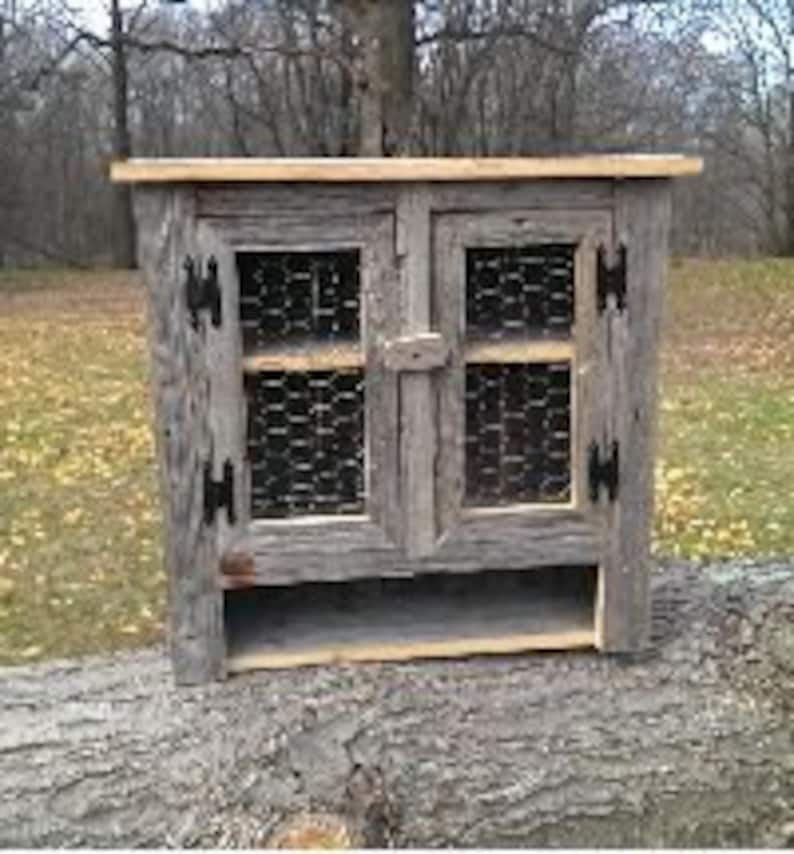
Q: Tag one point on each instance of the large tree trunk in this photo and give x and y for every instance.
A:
(689, 744)
(385, 30)
(124, 250)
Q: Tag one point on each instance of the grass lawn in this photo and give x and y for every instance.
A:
(80, 563)
(727, 411)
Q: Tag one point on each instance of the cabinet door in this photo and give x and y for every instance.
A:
(300, 400)
(520, 407)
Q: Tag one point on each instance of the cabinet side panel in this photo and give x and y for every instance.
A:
(642, 222)
(180, 380)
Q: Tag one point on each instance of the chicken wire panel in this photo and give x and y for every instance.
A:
(289, 296)
(306, 443)
(518, 434)
(517, 291)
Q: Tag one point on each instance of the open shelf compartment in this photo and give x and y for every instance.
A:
(427, 616)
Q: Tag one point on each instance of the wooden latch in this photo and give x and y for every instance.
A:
(424, 351)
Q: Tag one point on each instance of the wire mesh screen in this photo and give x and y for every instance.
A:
(305, 427)
(522, 290)
(518, 434)
(286, 296)
(306, 442)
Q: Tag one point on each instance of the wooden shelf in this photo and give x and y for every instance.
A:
(318, 356)
(519, 351)
(306, 356)
(359, 169)
(421, 617)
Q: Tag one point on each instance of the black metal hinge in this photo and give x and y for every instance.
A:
(219, 493)
(203, 291)
(604, 472)
(611, 279)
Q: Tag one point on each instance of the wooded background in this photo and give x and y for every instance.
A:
(80, 86)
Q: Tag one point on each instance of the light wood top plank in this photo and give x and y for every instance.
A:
(364, 169)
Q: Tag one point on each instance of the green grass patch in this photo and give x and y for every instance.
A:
(80, 566)
(726, 455)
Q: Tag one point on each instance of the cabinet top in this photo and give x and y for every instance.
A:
(374, 169)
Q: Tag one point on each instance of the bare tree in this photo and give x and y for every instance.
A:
(346, 77)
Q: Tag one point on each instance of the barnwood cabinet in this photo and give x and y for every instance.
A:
(404, 407)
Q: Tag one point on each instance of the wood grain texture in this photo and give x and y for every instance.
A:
(423, 351)
(418, 439)
(227, 403)
(521, 351)
(294, 200)
(309, 356)
(181, 381)
(381, 323)
(449, 298)
(286, 553)
(588, 368)
(687, 746)
(302, 231)
(403, 168)
(642, 223)
(552, 194)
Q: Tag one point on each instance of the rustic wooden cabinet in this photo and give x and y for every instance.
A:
(404, 407)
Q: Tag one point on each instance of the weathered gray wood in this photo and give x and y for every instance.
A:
(295, 200)
(381, 323)
(418, 440)
(302, 232)
(345, 200)
(459, 197)
(414, 451)
(338, 549)
(181, 381)
(588, 367)
(227, 405)
(424, 351)
(688, 746)
(642, 224)
(449, 295)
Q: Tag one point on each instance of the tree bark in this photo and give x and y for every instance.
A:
(789, 168)
(124, 249)
(385, 30)
(689, 744)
